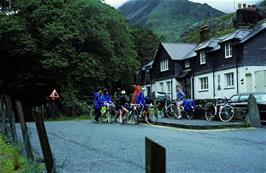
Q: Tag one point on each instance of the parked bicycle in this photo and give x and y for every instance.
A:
(221, 108)
(168, 108)
(147, 113)
(108, 113)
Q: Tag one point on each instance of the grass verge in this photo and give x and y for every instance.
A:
(11, 161)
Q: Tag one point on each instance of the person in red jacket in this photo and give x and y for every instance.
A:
(136, 91)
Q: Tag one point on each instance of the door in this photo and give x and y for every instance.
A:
(260, 81)
(249, 83)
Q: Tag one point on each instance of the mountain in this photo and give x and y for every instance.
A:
(219, 26)
(168, 18)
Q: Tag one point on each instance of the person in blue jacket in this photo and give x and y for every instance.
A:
(140, 98)
(106, 96)
(97, 103)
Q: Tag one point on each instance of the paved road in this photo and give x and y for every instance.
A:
(84, 147)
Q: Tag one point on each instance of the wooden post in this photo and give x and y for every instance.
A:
(24, 130)
(3, 115)
(155, 157)
(10, 115)
(46, 150)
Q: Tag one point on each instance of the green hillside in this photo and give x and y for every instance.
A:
(218, 26)
(168, 18)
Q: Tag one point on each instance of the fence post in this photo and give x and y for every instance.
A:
(46, 150)
(11, 118)
(24, 130)
(155, 157)
(3, 117)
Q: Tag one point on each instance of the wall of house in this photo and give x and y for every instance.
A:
(255, 50)
(162, 55)
(203, 94)
(170, 91)
(221, 88)
(252, 79)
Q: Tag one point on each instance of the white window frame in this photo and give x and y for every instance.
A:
(204, 83)
(187, 63)
(228, 50)
(229, 80)
(164, 65)
(202, 57)
(168, 85)
(161, 87)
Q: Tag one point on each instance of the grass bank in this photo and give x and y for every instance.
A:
(11, 161)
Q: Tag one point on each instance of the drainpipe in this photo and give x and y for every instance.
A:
(213, 81)
(192, 83)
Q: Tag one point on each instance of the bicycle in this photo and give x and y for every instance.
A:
(221, 108)
(138, 111)
(107, 113)
(169, 108)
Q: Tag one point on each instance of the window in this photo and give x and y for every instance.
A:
(229, 80)
(204, 83)
(161, 87)
(164, 65)
(187, 64)
(202, 57)
(228, 50)
(243, 98)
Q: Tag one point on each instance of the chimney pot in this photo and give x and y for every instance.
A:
(239, 5)
(244, 5)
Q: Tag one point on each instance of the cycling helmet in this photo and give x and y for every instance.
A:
(123, 92)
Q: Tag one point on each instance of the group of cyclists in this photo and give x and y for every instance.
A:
(121, 101)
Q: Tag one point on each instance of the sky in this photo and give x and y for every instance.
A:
(226, 6)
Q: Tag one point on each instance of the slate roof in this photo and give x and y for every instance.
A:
(254, 31)
(181, 51)
(237, 34)
(178, 51)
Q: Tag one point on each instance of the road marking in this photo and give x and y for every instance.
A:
(201, 130)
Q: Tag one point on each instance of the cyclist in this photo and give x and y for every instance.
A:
(97, 103)
(106, 96)
(123, 105)
(180, 95)
(136, 91)
(140, 99)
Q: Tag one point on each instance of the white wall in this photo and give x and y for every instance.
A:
(246, 80)
(224, 90)
(172, 91)
(199, 94)
(244, 72)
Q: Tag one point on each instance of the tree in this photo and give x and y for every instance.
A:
(73, 46)
(146, 43)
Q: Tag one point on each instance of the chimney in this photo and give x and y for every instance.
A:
(239, 5)
(204, 33)
(246, 16)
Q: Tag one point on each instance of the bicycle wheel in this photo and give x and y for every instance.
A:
(226, 113)
(210, 113)
(189, 115)
(108, 116)
(171, 111)
(152, 117)
(133, 117)
(91, 114)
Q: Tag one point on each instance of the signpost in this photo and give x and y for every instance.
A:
(54, 95)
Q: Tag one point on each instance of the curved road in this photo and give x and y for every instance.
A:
(85, 147)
